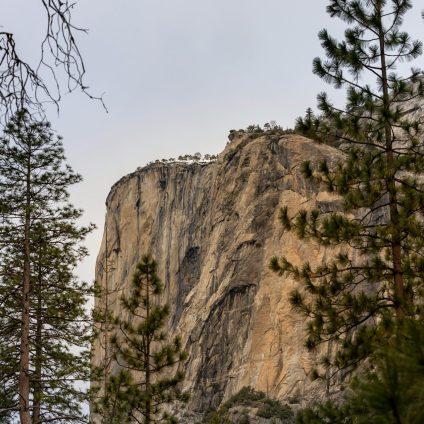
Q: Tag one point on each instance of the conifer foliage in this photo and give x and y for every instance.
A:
(145, 380)
(389, 390)
(375, 281)
(44, 327)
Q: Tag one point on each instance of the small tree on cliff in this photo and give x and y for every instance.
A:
(376, 280)
(137, 393)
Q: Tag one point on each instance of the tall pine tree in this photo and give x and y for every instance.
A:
(44, 325)
(144, 382)
(375, 281)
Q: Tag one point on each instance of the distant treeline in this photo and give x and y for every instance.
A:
(196, 157)
(255, 131)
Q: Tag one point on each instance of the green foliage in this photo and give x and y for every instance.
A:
(375, 276)
(312, 126)
(308, 125)
(144, 356)
(249, 398)
(390, 390)
(244, 420)
(394, 390)
(273, 408)
(246, 397)
(196, 158)
(256, 131)
(326, 413)
(34, 185)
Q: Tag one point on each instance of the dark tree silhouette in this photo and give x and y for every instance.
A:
(24, 84)
(375, 281)
(144, 355)
(43, 320)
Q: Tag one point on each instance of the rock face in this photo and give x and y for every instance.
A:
(213, 229)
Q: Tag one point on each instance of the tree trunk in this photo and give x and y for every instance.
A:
(24, 407)
(147, 358)
(396, 247)
(36, 415)
(396, 415)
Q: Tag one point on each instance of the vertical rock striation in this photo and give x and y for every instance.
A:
(213, 229)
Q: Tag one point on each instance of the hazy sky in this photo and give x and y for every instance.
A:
(177, 76)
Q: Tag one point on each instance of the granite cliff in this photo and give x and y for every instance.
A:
(213, 228)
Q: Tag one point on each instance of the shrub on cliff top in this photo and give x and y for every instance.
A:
(250, 398)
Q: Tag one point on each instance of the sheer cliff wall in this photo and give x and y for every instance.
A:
(213, 229)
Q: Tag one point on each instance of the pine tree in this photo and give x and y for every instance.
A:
(9, 342)
(389, 390)
(143, 384)
(375, 279)
(42, 310)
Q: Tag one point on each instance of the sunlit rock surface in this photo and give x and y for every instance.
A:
(213, 229)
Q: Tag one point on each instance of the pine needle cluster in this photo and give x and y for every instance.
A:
(44, 325)
(390, 390)
(144, 379)
(374, 281)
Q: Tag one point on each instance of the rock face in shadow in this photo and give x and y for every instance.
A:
(213, 229)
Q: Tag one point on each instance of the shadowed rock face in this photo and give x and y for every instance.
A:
(213, 229)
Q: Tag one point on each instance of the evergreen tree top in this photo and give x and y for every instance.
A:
(374, 281)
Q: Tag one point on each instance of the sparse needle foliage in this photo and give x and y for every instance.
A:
(44, 327)
(374, 280)
(143, 379)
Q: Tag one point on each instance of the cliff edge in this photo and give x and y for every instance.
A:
(213, 228)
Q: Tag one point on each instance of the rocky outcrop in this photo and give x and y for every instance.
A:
(213, 229)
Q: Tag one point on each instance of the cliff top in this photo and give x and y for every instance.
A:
(238, 139)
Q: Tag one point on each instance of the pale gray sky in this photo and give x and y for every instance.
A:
(177, 76)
